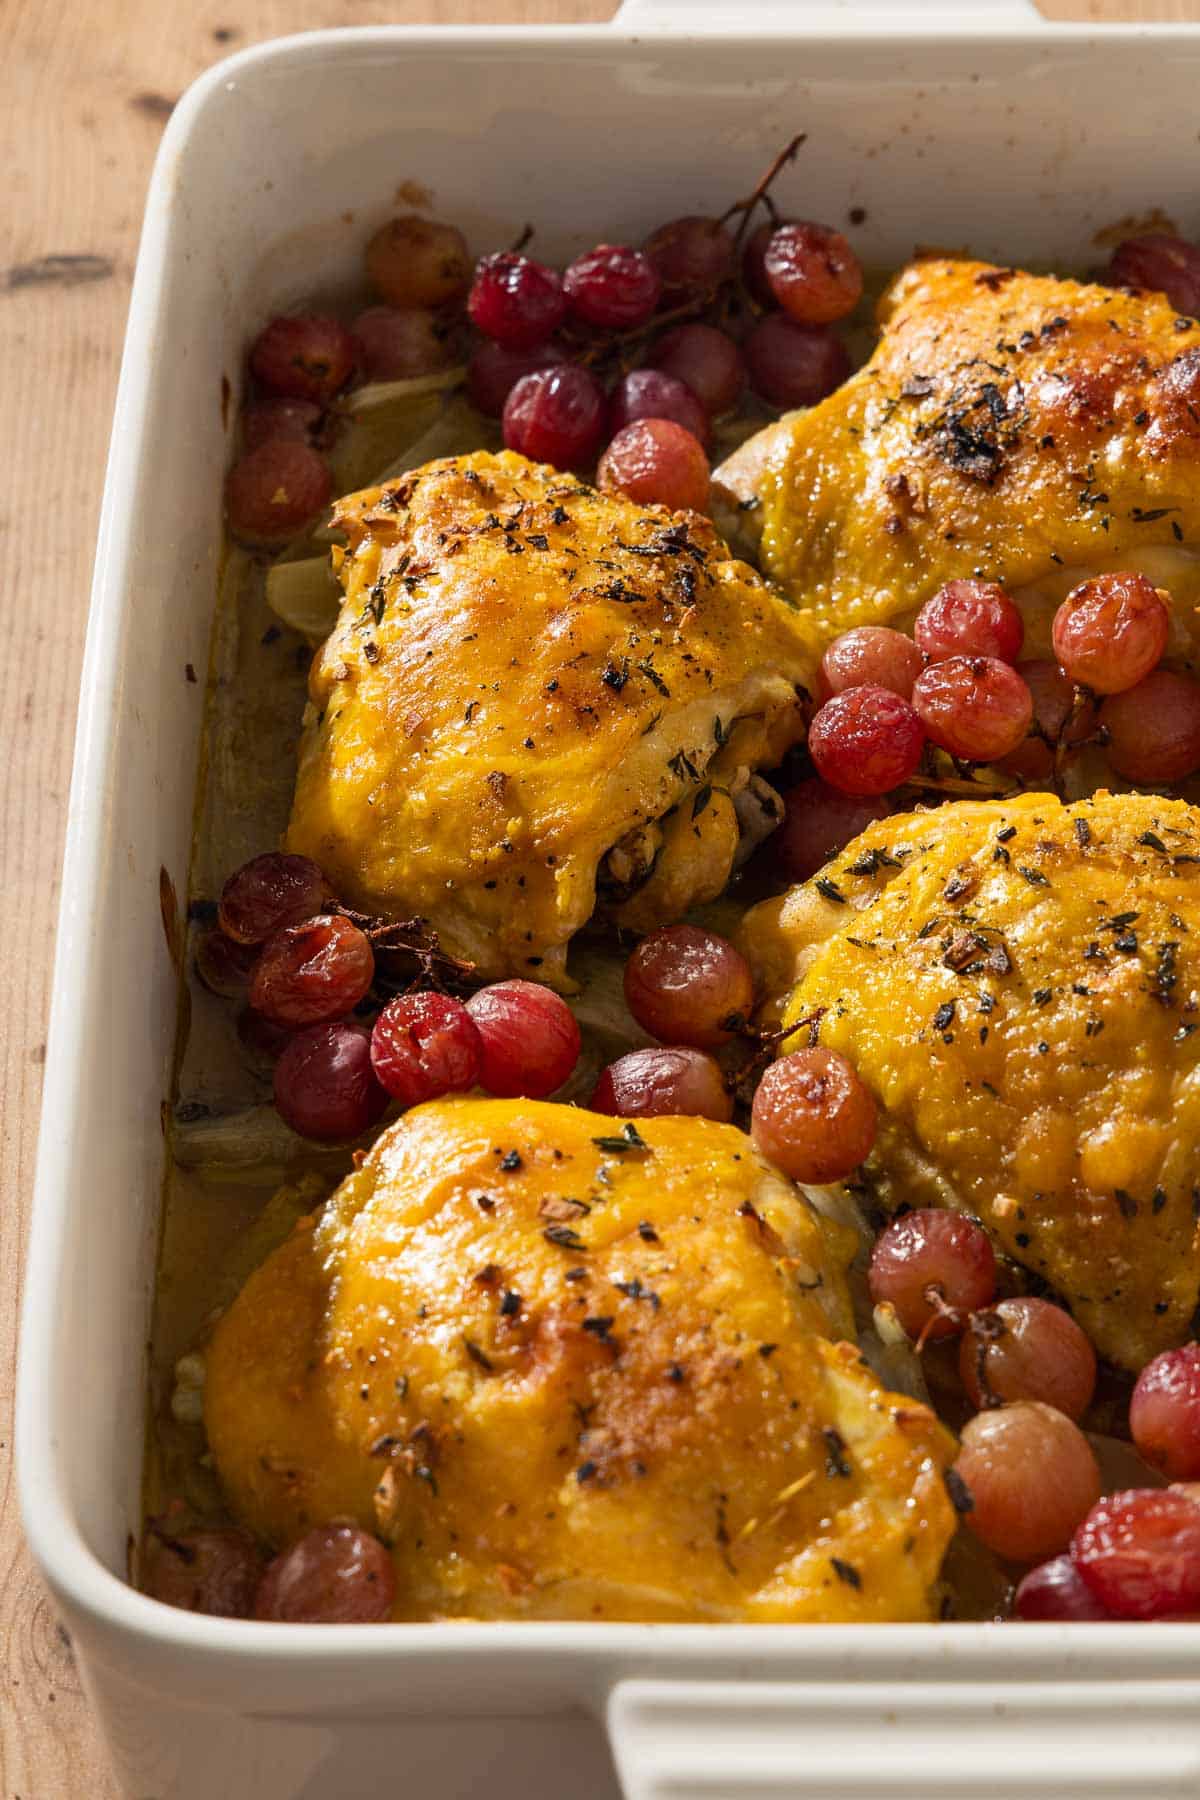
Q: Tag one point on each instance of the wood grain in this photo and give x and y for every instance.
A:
(84, 91)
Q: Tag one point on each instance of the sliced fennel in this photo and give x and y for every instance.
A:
(384, 393)
(306, 596)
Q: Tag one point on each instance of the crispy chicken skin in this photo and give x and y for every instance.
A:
(1008, 426)
(525, 676)
(1019, 984)
(571, 1371)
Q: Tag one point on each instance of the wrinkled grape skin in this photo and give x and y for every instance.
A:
(1153, 729)
(794, 365)
(311, 973)
(692, 254)
(224, 966)
(685, 985)
(397, 343)
(970, 618)
(273, 492)
(1053, 699)
(515, 300)
(1028, 1349)
(306, 357)
(813, 1117)
(872, 656)
(1032, 1477)
(812, 272)
(655, 462)
(754, 271)
(494, 371)
(1164, 1413)
(613, 287)
(707, 361)
(1055, 1592)
(976, 707)
(656, 1083)
(649, 394)
(325, 1087)
(555, 415)
(269, 892)
(1139, 1553)
(529, 1038)
(1111, 631)
(866, 741)
(213, 1572)
(932, 1247)
(269, 421)
(1164, 264)
(335, 1575)
(418, 262)
(425, 1045)
(818, 822)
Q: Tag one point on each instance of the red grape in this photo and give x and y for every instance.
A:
(1164, 1413)
(425, 1045)
(335, 1575)
(516, 300)
(396, 343)
(324, 1084)
(818, 821)
(685, 985)
(754, 267)
(1032, 1477)
(223, 965)
(693, 255)
(973, 706)
(1159, 262)
(1053, 698)
(269, 892)
(794, 365)
(555, 416)
(812, 272)
(649, 394)
(1056, 1592)
(866, 741)
(307, 357)
(707, 361)
(494, 371)
(276, 490)
(212, 1572)
(612, 286)
(932, 1252)
(1154, 729)
(530, 1039)
(657, 463)
(646, 1084)
(1027, 1349)
(310, 973)
(872, 656)
(267, 421)
(813, 1117)
(970, 618)
(1139, 1553)
(418, 262)
(1111, 631)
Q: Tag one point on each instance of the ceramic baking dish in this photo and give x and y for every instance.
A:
(970, 124)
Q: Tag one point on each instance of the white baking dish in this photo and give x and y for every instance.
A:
(989, 130)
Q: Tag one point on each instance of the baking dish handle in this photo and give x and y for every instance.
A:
(1047, 1740)
(835, 15)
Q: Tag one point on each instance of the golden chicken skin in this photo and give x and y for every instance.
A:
(1012, 427)
(539, 698)
(574, 1369)
(1019, 985)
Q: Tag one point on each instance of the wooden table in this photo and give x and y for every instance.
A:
(84, 92)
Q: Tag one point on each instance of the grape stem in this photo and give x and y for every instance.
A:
(409, 937)
(760, 193)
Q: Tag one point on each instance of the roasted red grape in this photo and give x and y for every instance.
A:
(813, 1117)
(1164, 264)
(556, 416)
(1053, 699)
(213, 1572)
(223, 965)
(933, 1267)
(418, 262)
(973, 706)
(707, 361)
(307, 357)
(275, 491)
(685, 985)
(494, 371)
(812, 272)
(647, 1084)
(818, 821)
(693, 255)
(649, 394)
(1153, 729)
(1027, 1349)
(310, 973)
(794, 365)
(1164, 1413)
(872, 656)
(866, 741)
(1139, 1553)
(324, 1085)
(1031, 1476)
(970, 618)
(269, 892)
(1111, 631)
(335, 1575)
(754, 266)
(613, 287)
(657, 463)
(267, 421)
(395, 343)
(425, 1045)
(529, 1039)
(516, 300)
(1056, 1593)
